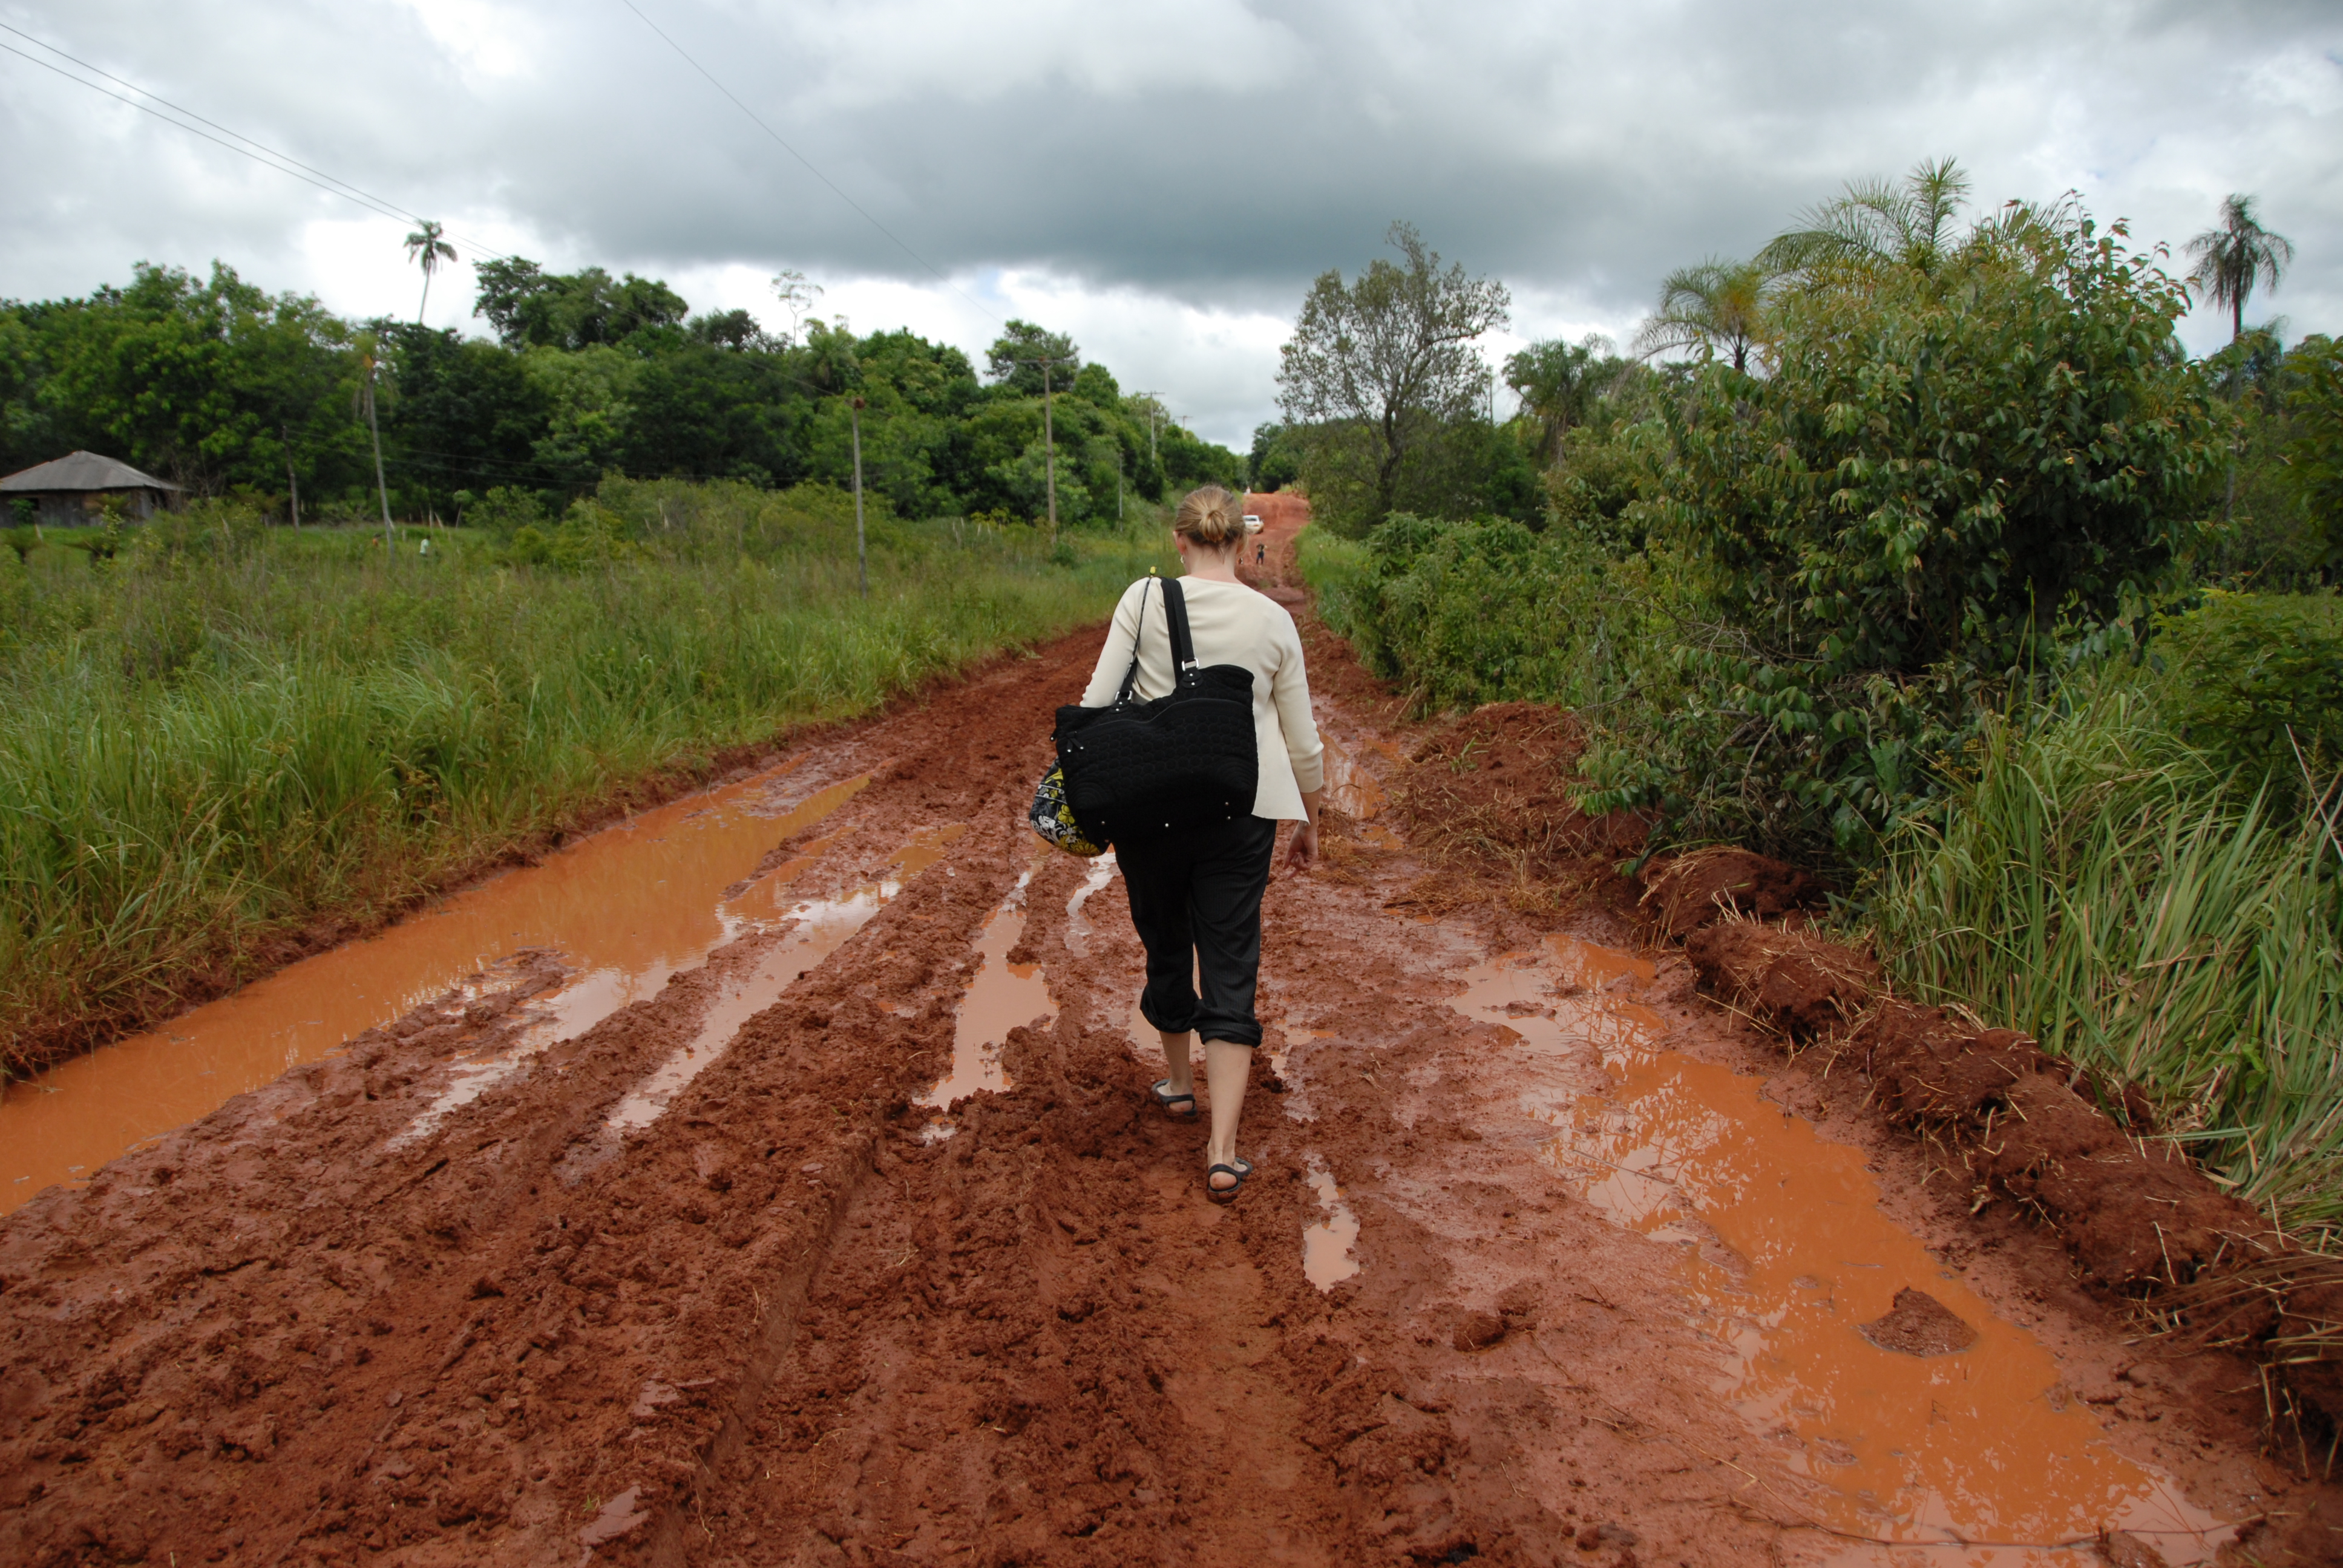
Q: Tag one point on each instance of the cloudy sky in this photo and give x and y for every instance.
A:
(1159, 180)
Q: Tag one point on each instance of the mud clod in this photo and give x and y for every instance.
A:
(1791, 980)
(1919, 1325)
(1478, 1331)
(2121, 1549)
(1683, 893)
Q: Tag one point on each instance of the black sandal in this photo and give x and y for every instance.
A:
(1168, 1100)
(1241, 1170)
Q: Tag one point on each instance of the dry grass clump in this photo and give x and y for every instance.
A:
(1489, 795)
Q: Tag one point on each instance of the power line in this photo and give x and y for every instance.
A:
(286, 164)
(758, 122)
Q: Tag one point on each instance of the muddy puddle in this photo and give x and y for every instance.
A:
(625, 908)
(1963, 1437)
(1350, 789)
(1000, 996)
(1079, 929)
(1326, 1245)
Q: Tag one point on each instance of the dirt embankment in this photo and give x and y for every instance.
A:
(2015, 1122)
(396, 1309)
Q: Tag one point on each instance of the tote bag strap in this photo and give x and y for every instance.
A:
(1131, 676)
(1183, 648)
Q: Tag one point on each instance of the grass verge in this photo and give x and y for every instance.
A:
(219, 736)
(2103, 884)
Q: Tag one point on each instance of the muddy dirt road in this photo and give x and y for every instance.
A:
(769, 1180)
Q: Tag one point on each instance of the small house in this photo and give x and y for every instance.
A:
(72, 491)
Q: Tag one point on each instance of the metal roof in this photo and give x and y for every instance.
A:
(83, 471)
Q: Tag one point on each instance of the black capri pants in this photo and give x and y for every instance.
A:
(1195, 899)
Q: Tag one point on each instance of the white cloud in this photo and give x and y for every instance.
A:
(485, 42)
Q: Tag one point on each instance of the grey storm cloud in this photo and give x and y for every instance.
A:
(1210, 154)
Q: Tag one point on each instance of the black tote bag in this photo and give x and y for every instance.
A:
(1141, 771)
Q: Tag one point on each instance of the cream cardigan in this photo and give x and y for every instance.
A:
(1229, 624)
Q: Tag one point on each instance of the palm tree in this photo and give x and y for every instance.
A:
(2233, 259)
(1716, 307)
(1558, 383)
(428, 250)
(1876, 223)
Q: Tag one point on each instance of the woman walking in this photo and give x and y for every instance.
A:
(1195, 897)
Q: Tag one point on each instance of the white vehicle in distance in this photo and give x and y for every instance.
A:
(1253, 524)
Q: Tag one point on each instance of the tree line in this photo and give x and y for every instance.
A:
(1837, 505)
(222, 386)
(1388, 405)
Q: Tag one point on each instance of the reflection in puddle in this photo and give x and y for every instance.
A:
(1326, 1245)
(625, 907)
(1350, 789)
(1296, 1100)
(1079, 929)
(1979, 1444)
(1001, 995)
(822, 927)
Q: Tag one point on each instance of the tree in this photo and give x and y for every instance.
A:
(2235, 258)
(530, 307)
(1558, 383)
(734, 329)
(428, 250)
(1876, 223)
(828, 360)
(797, 296)
(1932, 489)
(464, 417)
(1015, 357)
(1378, 372)
(1271, 466)
(503, 289)
(1718, 307)
(2314, 455)
(206, 381)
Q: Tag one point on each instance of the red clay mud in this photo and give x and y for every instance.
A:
(1685, 893)
(2138, 1216)
(883, 1257)
(1490, 790)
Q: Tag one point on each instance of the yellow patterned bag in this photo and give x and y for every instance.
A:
(1054, 819)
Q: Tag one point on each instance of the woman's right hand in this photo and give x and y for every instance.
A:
(1301, 850)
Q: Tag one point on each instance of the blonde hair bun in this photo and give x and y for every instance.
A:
(1211, 515)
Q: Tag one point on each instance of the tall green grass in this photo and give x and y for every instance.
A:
(222, 733)
(2107, 885)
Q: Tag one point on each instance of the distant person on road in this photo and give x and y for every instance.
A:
(1195, 897)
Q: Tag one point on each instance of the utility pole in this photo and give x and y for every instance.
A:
(1049, 442)
(1153, 409)
(292, 481)
(861, 551)
(1050, 451)
(381, 484)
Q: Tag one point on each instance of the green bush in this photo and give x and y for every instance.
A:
(505, 511)
(1952, 480)
(1459, 614)
(2260, 684)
